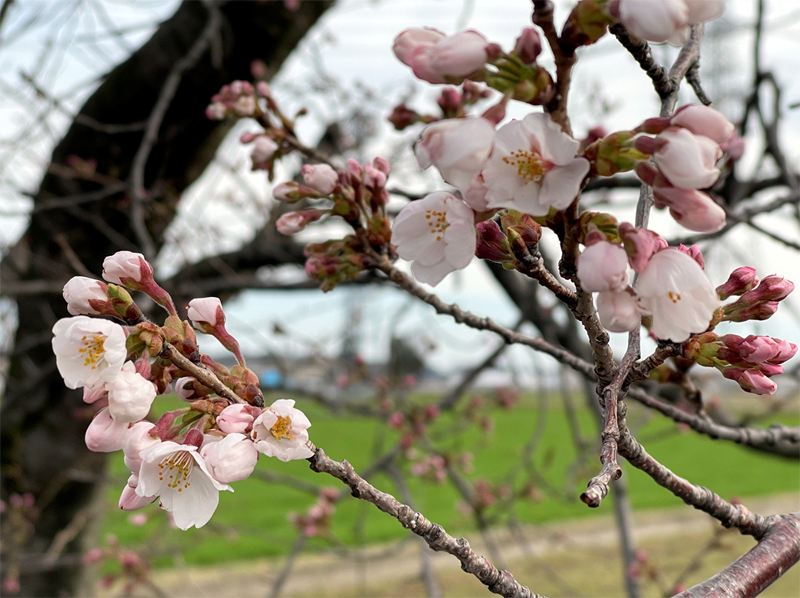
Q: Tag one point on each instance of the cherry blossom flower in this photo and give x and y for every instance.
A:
(178, 476)
(88, 350)
(437, 233)
(105, 434)
(138, 439)
(457, 147)
(237, 418)
(282, 431)
(320, 177)
(81, 292)
(126, 266)
(130, 395)
(677, 293)
(666, 20)
(533, 167)
(687, 161)
(459, 55)
(618, 311)
(603, 267)
(230, 459)
(205, 311)
(263, 150)
(411, 42)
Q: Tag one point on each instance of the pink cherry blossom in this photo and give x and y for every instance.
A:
(205, 312)
(320, 177)
(751, 380)
(237, 418)
(702, 120)
(618, 312)
(125, 265)
(533, 167)
(230, 459)
(282, 431)
(640, 245)
(654, 21)
(603, 267)
(263, 150)
(105, 434)
(178, 476)
(80, 292)
(687, 160)
(459, 55)
(411, 42)
(692, 209)
(292, 223)
(130, 395)
(677, 293)
(139, 438)
(437, 233)
(130, 501)
(88, 350)
(457, 147)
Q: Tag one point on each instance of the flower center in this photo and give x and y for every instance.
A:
(674, 297)
(92, 350)
(530, 166)
(436, 223)
(176, 467)
(281, 428)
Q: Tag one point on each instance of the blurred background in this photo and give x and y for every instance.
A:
(512, 439)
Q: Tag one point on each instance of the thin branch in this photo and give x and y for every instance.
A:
(201, 374)
(286, 571)
(173, 80)
(498, 582)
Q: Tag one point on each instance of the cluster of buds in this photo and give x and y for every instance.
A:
(134, 570)
(414, 423)
(452, 101)
(484, 495)
(751, 361)
(758, 300)
(359, 197)
(317, 520)
(190, 454)
(239, 99)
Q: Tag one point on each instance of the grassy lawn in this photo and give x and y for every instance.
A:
(252, 521)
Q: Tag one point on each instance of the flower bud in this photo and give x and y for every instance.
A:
(205, 313)
(130, 501)
(132, 271)
(263, 151)
(293, 222)
(492, 243)
(237, 418)
(739, 282)
(618, 312)
(87, 296)
(105, 434)
(231, 459)
(528, 45)
(702, 120)
(690, 208)
(459, 55)
(687, 161)
(751, 380)
(409, 43)
(320, 177)
(402, 117)
(292, 192)
(602, 267)
(640, 245)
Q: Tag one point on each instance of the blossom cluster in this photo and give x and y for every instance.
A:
(186, 457)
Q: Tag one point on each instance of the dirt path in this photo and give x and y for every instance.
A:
(583, 545)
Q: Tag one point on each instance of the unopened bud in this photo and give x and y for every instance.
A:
(739, 282)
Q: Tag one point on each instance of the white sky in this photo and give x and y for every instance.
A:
(352, 44)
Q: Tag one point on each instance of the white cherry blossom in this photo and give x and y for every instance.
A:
(282, 431)
(533, 167)
(437, 233)
(677, 293)
(603, 267)
(130, 395)
(230, 459)
(457, 147)
(80, 291)
(618, 311)
(88, 350)
(178, 476)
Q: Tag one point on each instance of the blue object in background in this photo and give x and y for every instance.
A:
(271, 378)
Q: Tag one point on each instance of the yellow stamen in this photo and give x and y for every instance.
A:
(436, 225)
(184, 462)
(282, 427)
(530, 166)
(92, 350)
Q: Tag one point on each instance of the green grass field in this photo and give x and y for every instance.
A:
(252, 521)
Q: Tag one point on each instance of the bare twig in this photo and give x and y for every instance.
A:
(200, 373)
(498, 582)
(286, 571)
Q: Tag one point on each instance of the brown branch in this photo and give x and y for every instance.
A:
(201, 374)
(700, 498)
(640, 50)
(752, 573)
(565, 59)
(498, 582)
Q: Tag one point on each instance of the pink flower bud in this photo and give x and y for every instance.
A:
(396, 420)
(216, 111)
(381, 164)
(87, 296)
(492, 243)
(618, 312)
(263, 90)
(184, 388)
(694, 253)
(206, 312)
(125, 267)
(402, 116)
(293, 222)
(602, 267)
(139, 438)
(320, 177)
(105, 434)
(237, 419)
(702, 120)
(130, 501)
(751, 380)
(411, 42)
(686, 160)
(459, 55)
(786, 351)
(691, 208)
(640, 245)
(772, 288)
(739, 282)
(373, 177)
(528, 46)
(262, 152)
(292, 192)
(755, 349)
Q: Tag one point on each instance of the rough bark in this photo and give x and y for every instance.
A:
(43, 423)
